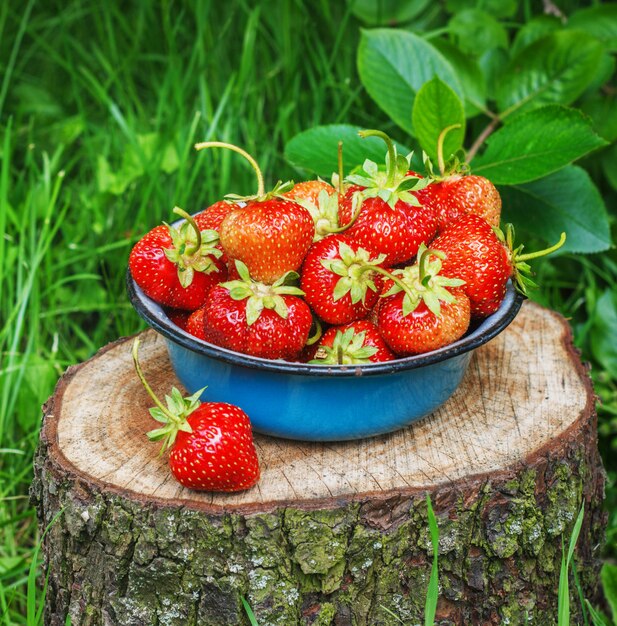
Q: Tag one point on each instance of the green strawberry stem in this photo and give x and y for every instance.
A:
(397, 281)
(313, 339)
(193, 250)
(391, 152)
(339, 355)
(172, 418)
(425, 277)
(440, 141)
(340, 167)
(261, 188)
(535, 255)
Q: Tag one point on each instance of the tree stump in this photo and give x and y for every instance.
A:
(333, 533)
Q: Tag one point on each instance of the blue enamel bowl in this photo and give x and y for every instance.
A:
(322, 402)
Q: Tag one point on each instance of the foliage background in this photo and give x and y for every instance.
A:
(100, 104)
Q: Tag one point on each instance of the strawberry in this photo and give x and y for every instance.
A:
(177, 267)
(269, 234)
(309, 191)
(355, 343)
(381, 212)
(178, 317)
(485, 259)
(456, 195)
(195, 324)
(423, 310)
(211, 443)
(338, 278)
(268, 321)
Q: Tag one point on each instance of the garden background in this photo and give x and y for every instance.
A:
(101, 103)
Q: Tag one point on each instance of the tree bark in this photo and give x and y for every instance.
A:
(333, 533)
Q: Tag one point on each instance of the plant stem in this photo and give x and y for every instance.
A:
(191, 221)
(440, 141)
(147, 387)
(261, 189)
(539, 253)
(340, 167)
(477, 144)
(391, 152)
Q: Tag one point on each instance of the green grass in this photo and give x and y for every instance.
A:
(100, 104)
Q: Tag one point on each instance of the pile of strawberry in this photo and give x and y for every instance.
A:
(387, 262)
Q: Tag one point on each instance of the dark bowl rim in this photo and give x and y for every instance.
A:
(488, 328)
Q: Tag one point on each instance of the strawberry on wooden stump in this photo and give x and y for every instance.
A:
(269, 233)
(248, 316)
(177, 266)
(210, 443)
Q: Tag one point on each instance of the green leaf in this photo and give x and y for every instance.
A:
(604, 333)
(535, 29)
(316, 149)
(536, 144)
(554, 69)
(599, 21)
(393, 65)
(435, 108)
(608, 575)
(602, 109)
(469, 75)
(475, 32)
(565, 201)
(609, 165)
(497, 8)
(597, 618)
(493, 64)
(385, 12)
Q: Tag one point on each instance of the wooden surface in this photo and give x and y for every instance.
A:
(522, 390)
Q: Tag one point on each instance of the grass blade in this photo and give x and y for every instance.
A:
(432, 594)
(563, 599)
(249, 612)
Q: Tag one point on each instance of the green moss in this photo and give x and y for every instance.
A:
(326, 614)
(564, 496)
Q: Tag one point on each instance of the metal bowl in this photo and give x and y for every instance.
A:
(322, 402)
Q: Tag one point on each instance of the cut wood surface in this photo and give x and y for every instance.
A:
(334, 533)
(516, 398)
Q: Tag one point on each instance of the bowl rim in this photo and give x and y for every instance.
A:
(489, 327)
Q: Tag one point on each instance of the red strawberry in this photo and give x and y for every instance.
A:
(178, 317)
(269, 234)
(339, 279)
(355, 343)
(485, 260)
(423, 311)
(386, 218)
(456, 195)
(267, 321)
(177, 267)
(195, 324)
(211, 443)
(212, 217)
(309, 191)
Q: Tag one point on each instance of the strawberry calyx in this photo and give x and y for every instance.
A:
(347, 349)
(175, 415)
(261, 196)
(452, 169)
(354, 268)
(424, 283)
(325, 214)
(260, 296)
(521, 270)
(394, 184)
(192, 250)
